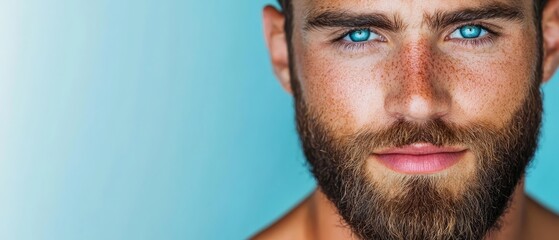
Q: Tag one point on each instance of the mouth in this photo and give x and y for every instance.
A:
(420, 158)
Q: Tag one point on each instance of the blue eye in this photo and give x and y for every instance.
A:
(360, 35)
(469, 32)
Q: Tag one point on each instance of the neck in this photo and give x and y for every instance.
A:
(513, 219)
(327, 224)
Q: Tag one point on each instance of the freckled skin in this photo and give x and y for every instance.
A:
(417, 74)
(415, 71)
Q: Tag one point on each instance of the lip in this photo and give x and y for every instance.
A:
(420, 158)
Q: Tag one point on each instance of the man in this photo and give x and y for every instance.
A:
(417, 118)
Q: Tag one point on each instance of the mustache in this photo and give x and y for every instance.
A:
(436, 132)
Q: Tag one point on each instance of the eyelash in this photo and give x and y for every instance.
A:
(351, 46)
(488, 39)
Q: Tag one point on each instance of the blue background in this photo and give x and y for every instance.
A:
(155, 119)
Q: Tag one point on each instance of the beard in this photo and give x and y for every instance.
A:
(421, 206)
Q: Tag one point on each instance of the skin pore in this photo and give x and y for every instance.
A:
(416, 66)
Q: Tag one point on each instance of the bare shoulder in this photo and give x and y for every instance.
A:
(289, 227)
(542, 223)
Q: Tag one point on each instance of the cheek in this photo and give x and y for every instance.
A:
(345, 93)
(490, 88)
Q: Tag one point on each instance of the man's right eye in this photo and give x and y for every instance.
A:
(360, 35)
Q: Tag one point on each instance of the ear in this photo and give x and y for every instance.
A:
(276, 41)
(550, 28)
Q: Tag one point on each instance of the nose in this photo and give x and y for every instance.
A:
(417, 93)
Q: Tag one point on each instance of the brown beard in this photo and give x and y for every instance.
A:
(420, 207)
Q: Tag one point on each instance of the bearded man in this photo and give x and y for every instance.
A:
(417, 118)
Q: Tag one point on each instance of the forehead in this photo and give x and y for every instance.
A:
(404, 8)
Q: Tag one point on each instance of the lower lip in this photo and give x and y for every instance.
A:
(420, 164)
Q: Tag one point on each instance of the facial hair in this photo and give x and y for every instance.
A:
(418, 207)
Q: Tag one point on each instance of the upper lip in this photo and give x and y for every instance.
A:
(420, 149)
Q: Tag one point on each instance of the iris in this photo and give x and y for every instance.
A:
(360, 35)
(470, 31)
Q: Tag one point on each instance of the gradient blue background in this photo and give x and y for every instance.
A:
(155, 119)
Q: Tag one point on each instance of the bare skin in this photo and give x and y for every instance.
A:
(414, 69)
(316, 218)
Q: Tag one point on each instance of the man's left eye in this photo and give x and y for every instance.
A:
(469, 32)
(361, 35)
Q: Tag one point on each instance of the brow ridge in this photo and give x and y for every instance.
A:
(353, 20)
(443, 19)
(436, 21)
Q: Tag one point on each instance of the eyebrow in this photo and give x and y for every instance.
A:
(352, 20)
(492, 11)
(438, 20)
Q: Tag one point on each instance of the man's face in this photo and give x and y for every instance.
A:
(418, 118)
(416, 72)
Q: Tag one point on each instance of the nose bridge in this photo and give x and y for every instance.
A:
(416, 63)
(417, 95)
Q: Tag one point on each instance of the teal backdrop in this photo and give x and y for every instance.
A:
(156, 119)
